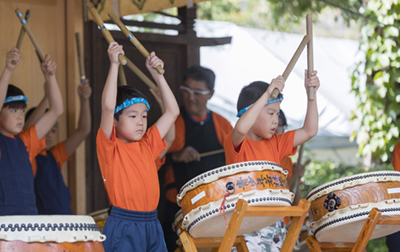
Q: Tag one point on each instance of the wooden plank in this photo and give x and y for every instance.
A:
(234, 225)
(274, 211)
(295, 226)
(187, 242)
(367, 230)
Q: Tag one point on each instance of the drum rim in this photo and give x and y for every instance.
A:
(349, 213)
(224, 171)
(74, 228)
(177, 220)
(201, 213)
(339, 181)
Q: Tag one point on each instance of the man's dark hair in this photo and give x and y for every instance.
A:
(200, 73)
(283, 117)
(251, 93)
(124, 93)
(14, 91)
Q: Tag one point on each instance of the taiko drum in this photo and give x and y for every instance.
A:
(339, 208)
(260, 183)
(48, 233)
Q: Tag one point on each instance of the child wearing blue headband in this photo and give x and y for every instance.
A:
(253, 138)
(18, 148)
(127, 151)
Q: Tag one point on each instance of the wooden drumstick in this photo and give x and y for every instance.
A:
(32, 37)
(310, 56)
(121, 75)
(21, 34)
(103, 29)
(141, 75)
(80, 57)
(292, 63)
(133, 39)
(209, 153)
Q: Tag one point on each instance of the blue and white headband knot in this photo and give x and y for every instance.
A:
(241, 112)
(131, 101)
(15, 99)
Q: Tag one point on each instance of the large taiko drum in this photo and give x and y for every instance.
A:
(260, 183)
(339, 208)
(48, 233)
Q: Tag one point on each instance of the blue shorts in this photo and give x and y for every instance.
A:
(127, 230)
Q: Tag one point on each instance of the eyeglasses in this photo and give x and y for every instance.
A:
(195, 92)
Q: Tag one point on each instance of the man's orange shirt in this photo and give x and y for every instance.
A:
(396, 157)
(273, 149)
(129, 170)
(59, 153)
(33, 145)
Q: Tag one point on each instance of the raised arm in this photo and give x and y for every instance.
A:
(38, 112)
(310, 127)
(170, 136)
(84, 124)
(47, 121)
(247, 120)
(168, 118)
(12, 55)
(109, 96)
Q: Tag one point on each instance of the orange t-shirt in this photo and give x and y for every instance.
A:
(273, 149)
(33, 145)
(129, 170)
(396, 157)
(59, 153)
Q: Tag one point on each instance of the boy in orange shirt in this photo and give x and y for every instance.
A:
(126, 154)
(18, 149)
(253, 137)
(52, 195)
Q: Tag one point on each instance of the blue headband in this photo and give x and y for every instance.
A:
(130, 102)
(15, 99)
(241, 112)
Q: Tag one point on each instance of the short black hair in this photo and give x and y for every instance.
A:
(200, 73)
(283, 117)
(14, 91)
(30, 112)
(251, 93)
(124, 93)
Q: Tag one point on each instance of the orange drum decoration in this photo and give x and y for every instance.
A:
(339, 208)
(260, 183)
(47, 233)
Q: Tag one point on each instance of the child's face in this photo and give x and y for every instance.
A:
(11, 120)
(132, 123)
(51, 136)
(267, 121)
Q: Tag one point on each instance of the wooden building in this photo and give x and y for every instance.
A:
(54, 24)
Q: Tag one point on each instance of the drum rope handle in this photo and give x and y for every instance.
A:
(222, 208)
(230, 189)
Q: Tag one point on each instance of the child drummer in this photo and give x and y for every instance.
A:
(126, 153)
(254, 138)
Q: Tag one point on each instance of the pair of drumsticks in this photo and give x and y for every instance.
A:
(122, 58)
(26, 29)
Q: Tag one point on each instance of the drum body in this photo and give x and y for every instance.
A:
(260, 183)
(50, 233)
(339, 208)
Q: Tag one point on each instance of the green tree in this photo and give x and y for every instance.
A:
(378, 109)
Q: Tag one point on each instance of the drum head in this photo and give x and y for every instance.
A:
(207, 221)
(346, 225)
